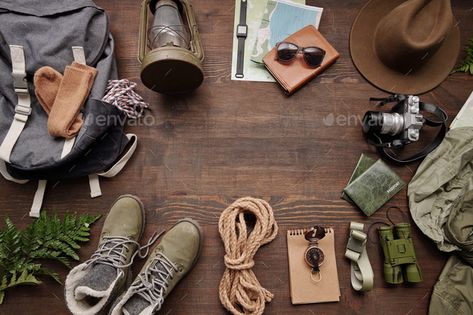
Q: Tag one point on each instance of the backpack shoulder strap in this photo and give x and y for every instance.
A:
(79, 56)
(7, 176)
(23, 107)
(118, 166)
(38, 199)
(94, 180)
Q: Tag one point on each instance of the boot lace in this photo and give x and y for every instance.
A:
(154, 281)
(112, 251)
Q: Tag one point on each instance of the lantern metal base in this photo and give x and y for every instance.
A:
(171, 70)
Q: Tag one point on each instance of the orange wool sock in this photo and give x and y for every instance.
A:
(46, 82)
(62, 97)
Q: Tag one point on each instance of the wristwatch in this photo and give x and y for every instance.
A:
(242, 34)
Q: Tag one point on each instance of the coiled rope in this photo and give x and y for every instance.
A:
(240, 290)
(120, 93)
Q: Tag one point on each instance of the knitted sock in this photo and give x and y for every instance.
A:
(46, 82)
(62, 97)
(99, 278)
(136, 304)
(89, 288)
(71, 96)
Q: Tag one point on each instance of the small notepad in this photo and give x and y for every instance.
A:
(303, 289)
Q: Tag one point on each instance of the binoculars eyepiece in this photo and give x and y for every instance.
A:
(400, 261)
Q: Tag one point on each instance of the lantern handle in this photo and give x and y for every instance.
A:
(143, 36)
(192, 23)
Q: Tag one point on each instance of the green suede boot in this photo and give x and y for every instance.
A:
(93, 284)
(170, 261)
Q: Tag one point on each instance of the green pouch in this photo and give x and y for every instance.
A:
(372, 189)
(363, 164)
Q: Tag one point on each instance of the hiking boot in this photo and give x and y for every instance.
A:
(170, 261)
(93, 284)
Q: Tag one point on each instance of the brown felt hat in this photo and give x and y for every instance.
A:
(405, 47)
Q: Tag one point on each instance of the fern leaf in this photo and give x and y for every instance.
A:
(467, 64)
(24, 278)
(63, 248)
(47, 238)
(10, 248)
(50, 273)
(67, 239)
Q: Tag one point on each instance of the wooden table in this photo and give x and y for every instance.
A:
(199, 152)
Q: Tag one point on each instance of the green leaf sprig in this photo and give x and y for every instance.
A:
(467, 65)
(47, 238)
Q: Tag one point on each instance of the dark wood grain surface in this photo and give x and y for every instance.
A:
(198, 153)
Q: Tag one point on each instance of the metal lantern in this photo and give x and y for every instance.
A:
(173, 65)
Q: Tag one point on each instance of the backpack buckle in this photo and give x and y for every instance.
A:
(19, 80)
(22, 112)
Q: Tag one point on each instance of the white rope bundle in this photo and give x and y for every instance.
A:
(120, 93)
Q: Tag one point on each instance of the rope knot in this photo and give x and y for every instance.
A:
(232, 264)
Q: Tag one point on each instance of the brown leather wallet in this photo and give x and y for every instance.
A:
(294, 75)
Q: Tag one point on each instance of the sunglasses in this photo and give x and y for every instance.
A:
(286, 52)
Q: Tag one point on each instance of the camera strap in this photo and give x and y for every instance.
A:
(385, 148)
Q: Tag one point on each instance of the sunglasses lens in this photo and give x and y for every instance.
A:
(314, 56)
(287, 51)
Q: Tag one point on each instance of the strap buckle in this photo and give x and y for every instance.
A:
(357, 241)
(19, 80)
(22, 113)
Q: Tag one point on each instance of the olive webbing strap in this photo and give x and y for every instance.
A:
(362, 276)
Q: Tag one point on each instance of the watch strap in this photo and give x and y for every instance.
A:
(240, 58)
(241, 40)
(243, 9)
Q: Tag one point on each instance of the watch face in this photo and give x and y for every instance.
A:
(242, 30)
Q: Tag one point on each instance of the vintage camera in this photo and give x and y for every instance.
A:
(404, 124)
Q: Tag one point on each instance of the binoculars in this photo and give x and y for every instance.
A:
(399, 255)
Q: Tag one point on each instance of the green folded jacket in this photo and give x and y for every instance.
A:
(374, 187)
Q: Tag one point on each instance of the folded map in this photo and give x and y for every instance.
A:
(281, 19)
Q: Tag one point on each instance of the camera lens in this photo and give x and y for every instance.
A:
(372, 122)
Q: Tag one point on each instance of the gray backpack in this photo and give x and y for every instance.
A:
(36, 33)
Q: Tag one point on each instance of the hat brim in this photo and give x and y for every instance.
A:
(433, 72)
